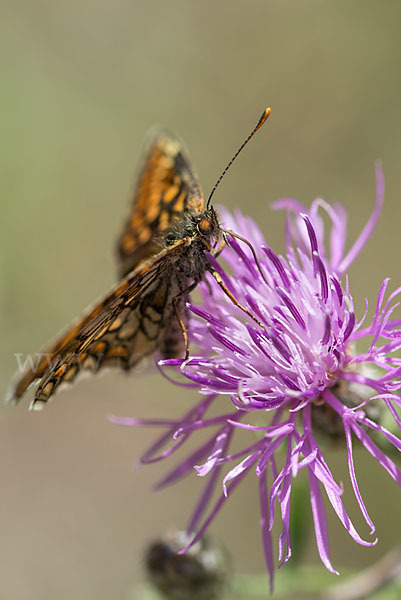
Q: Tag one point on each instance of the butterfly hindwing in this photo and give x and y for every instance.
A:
(166, 188)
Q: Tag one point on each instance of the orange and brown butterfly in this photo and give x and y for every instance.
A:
(162, 256)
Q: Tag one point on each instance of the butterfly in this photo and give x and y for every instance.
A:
(162, 255)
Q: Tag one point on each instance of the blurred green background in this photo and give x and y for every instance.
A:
(81, 82)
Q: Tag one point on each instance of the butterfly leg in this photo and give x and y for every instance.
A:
(224, 242)
(220, 248)
(209, 287)
(233, 299)
(181, 323)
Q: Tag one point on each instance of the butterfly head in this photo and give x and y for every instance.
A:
(203, 228)
(206, 233)
(208, 227)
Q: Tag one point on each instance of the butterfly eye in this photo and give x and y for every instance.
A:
(204, 225)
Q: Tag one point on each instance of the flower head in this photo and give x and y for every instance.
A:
(288, 370)
(201, 573)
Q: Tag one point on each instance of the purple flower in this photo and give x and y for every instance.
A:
(289, 374)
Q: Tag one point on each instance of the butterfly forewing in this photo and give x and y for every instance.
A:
(121, 329)
(167, 187)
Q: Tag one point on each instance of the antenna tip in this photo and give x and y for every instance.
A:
(263, 118)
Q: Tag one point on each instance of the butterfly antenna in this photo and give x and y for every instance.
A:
(259, 124)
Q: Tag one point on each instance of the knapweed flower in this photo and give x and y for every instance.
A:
(289, 371)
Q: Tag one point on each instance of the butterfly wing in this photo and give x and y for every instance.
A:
(120, 330)
(167, 187)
